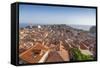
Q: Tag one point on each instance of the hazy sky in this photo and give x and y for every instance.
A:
(56, 15)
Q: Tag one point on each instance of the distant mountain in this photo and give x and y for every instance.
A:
(93, 29)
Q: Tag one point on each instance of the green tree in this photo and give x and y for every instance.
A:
(79, 56)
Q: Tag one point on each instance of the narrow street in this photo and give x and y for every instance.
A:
(54, 57)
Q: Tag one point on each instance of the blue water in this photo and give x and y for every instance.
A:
(22, 25)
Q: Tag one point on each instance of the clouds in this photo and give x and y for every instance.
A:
(56, 15)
